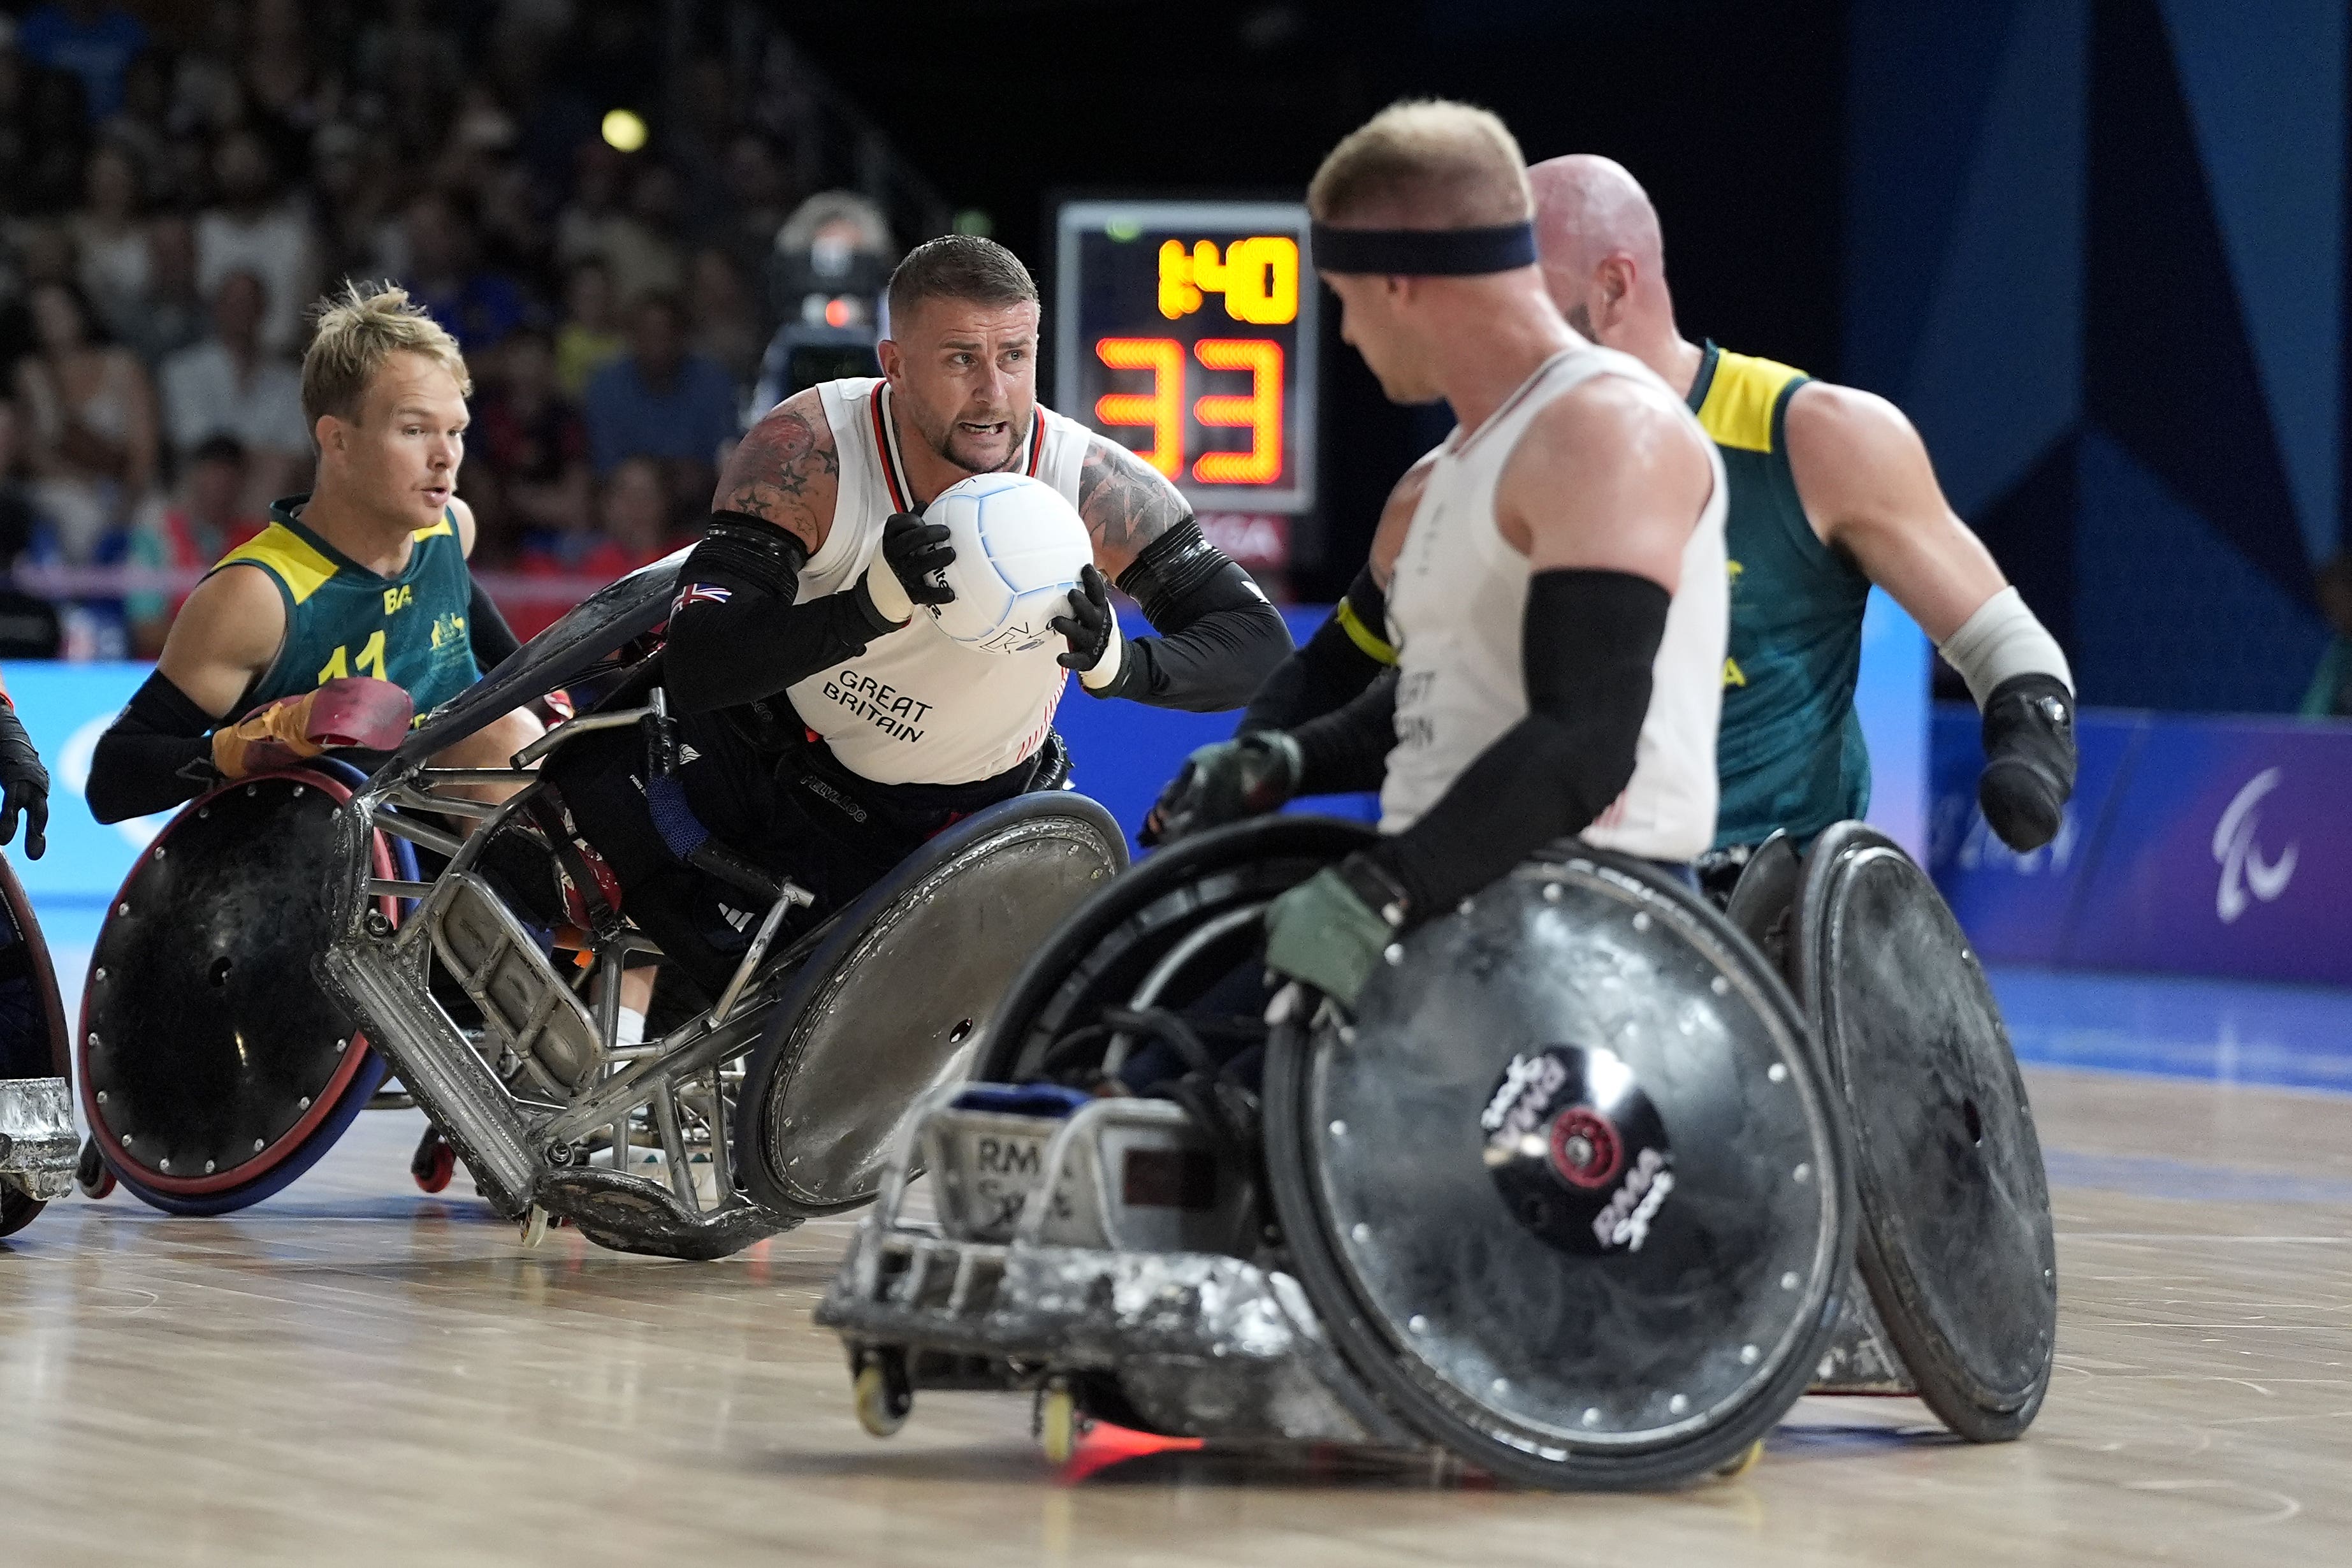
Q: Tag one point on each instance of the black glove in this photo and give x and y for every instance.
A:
(2029, 771)
(24, 785)
(1090, 626)
(918, 554)
(908, 570)
(1224, 782)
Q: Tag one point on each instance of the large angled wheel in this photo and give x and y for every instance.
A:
(1955, 1240)
(1161, 935)
(897, 999)
(1569, 1192)
(33, 1038)
(214, 1069)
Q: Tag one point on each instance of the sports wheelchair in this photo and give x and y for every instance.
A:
(771, 1102)
(1581, 1194)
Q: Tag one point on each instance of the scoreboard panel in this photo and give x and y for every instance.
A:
(1185, 331)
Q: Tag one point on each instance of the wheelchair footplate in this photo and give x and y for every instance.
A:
(38, 1144)
(1100, 1253)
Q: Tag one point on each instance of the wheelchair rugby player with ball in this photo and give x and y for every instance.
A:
(830, 806)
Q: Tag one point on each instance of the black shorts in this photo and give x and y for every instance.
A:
(784, 804)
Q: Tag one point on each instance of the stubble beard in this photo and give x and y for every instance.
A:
(945, 445)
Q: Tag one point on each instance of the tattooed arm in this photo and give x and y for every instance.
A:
(739, 630)
(1126, 504)
(1219, 637)
(786, 470)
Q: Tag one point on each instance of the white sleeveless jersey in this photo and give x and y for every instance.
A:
(918, 707)
(1458, 609)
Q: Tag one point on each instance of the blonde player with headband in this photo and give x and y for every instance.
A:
(1558, 606)
(1831, 491)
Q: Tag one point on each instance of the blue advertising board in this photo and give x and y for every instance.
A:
(65, 708)
(2020, 907)
(2194, 845)
(1890, 697)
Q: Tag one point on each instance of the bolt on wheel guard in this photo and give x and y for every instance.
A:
(1566, 1199)
(214, 1071)
(1955, 1246)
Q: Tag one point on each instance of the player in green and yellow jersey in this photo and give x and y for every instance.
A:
(1831, 491)
(352, 610)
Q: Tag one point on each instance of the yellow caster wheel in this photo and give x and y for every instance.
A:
(1059, 1424)
(534, 1227)
(1747, 1459)
(882, 1394)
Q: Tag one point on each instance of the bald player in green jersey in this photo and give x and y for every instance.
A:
(1831, 491)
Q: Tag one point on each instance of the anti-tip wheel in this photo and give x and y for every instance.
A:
(435, 1163)
(1750, 1458)
(534, 1227)
(17, 1210)
(1059, 1424)
(883, 1401)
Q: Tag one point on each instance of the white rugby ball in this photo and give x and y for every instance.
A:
(1018, 549)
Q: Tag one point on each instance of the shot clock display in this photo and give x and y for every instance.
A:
(1186, 332)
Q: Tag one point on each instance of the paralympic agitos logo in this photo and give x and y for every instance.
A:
(2243, 869)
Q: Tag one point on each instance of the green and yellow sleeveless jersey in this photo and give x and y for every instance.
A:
(1789, 753)
(344, 619)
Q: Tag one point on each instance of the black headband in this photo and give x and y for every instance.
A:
(1424, 252)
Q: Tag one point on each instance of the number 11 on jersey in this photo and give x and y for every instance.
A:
(370, 660)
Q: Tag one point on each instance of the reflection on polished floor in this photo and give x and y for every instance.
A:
(355, 1372)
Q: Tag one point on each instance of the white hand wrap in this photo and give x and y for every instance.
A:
(2001, 639)
(889, 595)
(1106, 670)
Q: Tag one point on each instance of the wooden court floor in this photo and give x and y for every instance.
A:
(356, 1373)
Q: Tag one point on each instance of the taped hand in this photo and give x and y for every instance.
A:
(1247, 776)
(1323, 933)
(354, 711)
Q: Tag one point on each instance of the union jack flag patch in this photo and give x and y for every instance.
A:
(701, 593)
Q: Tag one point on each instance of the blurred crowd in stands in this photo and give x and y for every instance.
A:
(179, 181)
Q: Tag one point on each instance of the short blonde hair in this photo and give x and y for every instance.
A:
(357, 331)
(1425, 162)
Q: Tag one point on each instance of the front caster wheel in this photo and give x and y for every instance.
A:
(1059, 1425)
(1747, 1460)
(91, 1173)
(883, 1396)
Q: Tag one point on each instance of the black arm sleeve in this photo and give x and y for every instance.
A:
(736, 635)
(1347, 748)
(1219, 637)
(487, 632)
(145, 760)
(1338, 662)
(1589, 642)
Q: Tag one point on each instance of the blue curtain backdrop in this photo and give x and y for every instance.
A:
(2096, 248)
